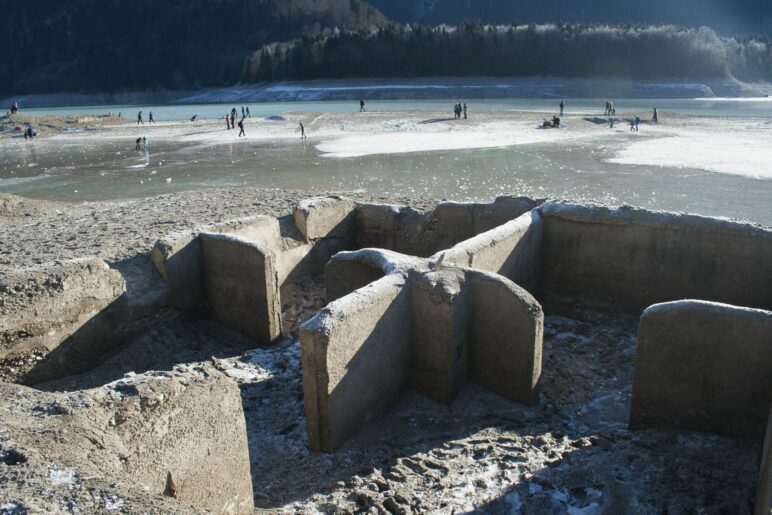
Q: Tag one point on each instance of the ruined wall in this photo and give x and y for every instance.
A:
(513, 250)
(627, 259)
(507, 328)
(703, 366)
(242, 286)
(405, 230)
(58, 318)
(179, 434)
(356, 357)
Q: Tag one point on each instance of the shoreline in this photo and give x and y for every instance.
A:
(418, 89)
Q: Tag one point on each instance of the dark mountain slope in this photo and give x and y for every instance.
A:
(727, 16)
(109, 45)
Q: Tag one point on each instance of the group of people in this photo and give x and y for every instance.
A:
(29, 133)
(458, 109)
(230, 120)
(610, 111)
(141, 143)
(139, 118)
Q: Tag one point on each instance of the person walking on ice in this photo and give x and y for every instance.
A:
(655, 118)
(466, 111)
(362, 105)
(302, 131)
(241, 127)
(139, 118)
(562, 105)
(150, 118)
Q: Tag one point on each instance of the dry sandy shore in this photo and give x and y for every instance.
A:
(572, 453)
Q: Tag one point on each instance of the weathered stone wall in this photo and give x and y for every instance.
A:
(242, 285)
(65, 312)
(440, 334)
(507, 329)
(179, 434)
(703, 366)
(627, 259)
(405, 230)
(513, 250)
(356, 359)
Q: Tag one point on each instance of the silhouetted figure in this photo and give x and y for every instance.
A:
(302, 131)
(655, 118)
(139, 118)
(144, 143)
(243, 113)
(362, 105)
(228, 121)
(562, 105)
(137, 144)
(233, 118)
(466, 112)
(14, 107)
(637, 122)
(194, 118)
(150, 118)
(241, 126)
(249, 115)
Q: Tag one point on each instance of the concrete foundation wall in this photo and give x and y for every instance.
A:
(356, 359)
(405, 230)
(242, 286)
(703, 366)
(325, 217)
(507, 328)
(439, 356)
(627, 259)
(513, 250)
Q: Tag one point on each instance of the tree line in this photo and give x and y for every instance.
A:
(473, 49)
(119, 45)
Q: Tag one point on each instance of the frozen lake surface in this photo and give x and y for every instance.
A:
(711, 157)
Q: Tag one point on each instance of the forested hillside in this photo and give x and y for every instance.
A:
(727, 16)
(548, 50)
(113, 45)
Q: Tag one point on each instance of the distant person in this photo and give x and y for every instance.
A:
(302, 131)
(466, 112)
(241, 127)
(14, 107)
(611, 108)
(137, 144)
(362, 105)
(119, 115)
(194, 118)
(611, 122)
(655, 118)
(144, 143)
(243, 112)
(139, 118)
(227, 121)
(608, 110)
(249, 115)
(637, 122)
(150, 118)
(562, 105)
(233, 118)
(632, 125)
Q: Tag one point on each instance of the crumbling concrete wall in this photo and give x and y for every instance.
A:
(178, 257)
(405, 230)
(180, 434)
(457, 323)
(513, 250)
(65, 313)
(627, 259)
(703, 366)
(356, 359)
(507, 329)
(325, 217)
(242, 285)
(440, 329)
